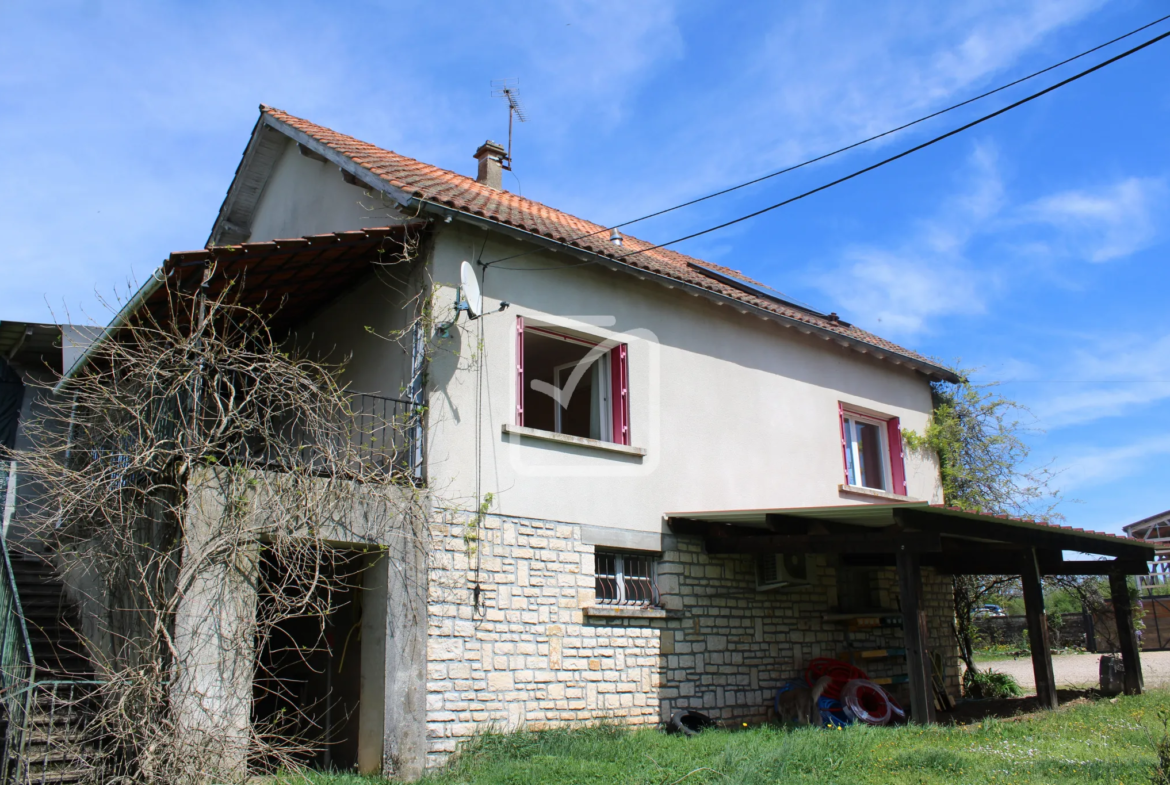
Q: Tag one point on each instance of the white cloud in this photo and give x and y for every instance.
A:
(1114, 377)
(1109, 223)
(936, 270)
(825, 74)
(896, 291)
(1098, 467)
(801, 79)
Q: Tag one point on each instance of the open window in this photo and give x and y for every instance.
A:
(571, 385)
(872, 451)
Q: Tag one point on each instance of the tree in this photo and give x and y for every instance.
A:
(983, 463)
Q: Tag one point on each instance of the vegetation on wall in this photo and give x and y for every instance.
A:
(201, 472)
(977, 435)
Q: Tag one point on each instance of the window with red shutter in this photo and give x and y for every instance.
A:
(872, 452)
(572, 385)
(519, 370)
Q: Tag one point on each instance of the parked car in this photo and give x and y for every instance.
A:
(989, 611)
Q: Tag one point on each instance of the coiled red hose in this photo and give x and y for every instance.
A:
(841, 673)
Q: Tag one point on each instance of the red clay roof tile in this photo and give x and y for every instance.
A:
(463, 193)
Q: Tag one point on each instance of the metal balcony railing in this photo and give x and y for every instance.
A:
(388, 433)
(381, 433)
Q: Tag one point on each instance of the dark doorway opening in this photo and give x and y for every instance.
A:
(306, 692)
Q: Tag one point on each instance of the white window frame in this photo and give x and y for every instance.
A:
(605, 415)
(619, 578)
(853, 466)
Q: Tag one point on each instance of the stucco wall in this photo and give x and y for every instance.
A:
(362, 330)
(733, 411)
(304, 196)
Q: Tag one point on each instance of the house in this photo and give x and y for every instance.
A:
(652, 483)
(1155, 530)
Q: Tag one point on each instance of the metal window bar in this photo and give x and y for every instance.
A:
(625, 579)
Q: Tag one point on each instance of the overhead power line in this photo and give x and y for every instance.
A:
(900, 155)
(874, 138)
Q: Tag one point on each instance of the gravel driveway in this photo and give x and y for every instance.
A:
(1081, 670)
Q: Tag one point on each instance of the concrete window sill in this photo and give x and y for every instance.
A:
(579, 441)
(859, 490)
(625, 612)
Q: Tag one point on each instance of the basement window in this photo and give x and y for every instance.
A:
(625, 579)
(872, 452)
(572, 385)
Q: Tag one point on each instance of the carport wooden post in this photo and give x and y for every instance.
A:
(1126, 634)
(914, 629)
(1038, 630)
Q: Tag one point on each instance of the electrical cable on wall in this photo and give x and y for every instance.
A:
(479, 506)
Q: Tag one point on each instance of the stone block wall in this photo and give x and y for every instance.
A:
(526, 650)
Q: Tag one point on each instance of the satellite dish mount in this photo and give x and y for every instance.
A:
(468, 298)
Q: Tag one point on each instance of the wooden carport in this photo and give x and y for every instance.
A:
(913, 535)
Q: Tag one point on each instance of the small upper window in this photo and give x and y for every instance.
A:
(873, 452)
(571, 385)
(625, 579)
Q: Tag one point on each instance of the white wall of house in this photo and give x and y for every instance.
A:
(304, 196)
(733, 411)
(361, 330)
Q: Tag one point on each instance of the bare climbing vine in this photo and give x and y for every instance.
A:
(192, 486)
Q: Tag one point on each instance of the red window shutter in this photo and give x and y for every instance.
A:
(897, 459)
(519, 370)
(844, 456)
(619, 375)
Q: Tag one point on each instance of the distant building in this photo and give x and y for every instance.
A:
(1155, 530)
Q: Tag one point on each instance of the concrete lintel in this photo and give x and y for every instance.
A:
(621, 539)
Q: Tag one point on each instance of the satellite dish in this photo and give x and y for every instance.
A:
(471, 293)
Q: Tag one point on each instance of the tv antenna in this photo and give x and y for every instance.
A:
(509, 89)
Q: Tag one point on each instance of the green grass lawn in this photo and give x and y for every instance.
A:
(1099, 741)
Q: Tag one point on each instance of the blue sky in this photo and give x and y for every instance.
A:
(1033, 248)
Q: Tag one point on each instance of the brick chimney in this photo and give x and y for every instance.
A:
(491, 168)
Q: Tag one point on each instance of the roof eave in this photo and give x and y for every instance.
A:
(419, 205)
(223, 232)
(121, 318)
(930, 370)
(342, 161)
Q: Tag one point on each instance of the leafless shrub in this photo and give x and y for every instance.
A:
(192, 484)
